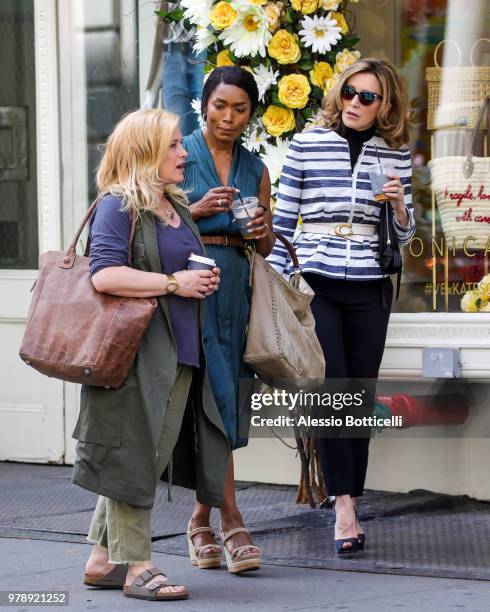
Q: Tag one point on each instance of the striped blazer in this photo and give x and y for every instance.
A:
(318, 183)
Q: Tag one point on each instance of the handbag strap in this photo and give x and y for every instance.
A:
(69, 257)
(468, 165)
(291, 250)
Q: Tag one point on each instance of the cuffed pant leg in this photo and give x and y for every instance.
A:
(97, 533)
(128, 531)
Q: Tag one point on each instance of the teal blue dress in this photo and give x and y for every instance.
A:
(228, 309)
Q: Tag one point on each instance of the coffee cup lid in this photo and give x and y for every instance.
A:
(201, 259)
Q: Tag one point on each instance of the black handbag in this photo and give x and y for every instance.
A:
(390, 258)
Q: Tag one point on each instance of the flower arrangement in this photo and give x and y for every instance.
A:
(296, 50)
(478, 299)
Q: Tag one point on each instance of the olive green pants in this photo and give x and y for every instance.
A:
(124, 529)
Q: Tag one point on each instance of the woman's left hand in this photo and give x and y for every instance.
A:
(394, 190)
(259, 226)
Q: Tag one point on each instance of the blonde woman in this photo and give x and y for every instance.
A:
(325, 179)
(128, 436)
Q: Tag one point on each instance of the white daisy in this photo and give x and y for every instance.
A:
(249, 35)
(197, 12)
(265, 78)
(274, 157)
(203, 39)
(196, 107)
(314, 121)
(319, 33)
(255, 137)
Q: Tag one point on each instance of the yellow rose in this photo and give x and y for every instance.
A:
(320, 73)
(305, 6)
(293, 90)
(329, 5)
(223, 59)
(273, 11)
(329, 83)
(223, 15)
(344, 59)
(284, 48)
(278, 120)
(469, 302)
(341, 22)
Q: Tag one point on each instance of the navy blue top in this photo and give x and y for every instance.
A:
(110, 232)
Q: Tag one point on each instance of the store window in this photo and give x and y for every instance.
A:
(99, 83)
(18, 187)
(443, 51)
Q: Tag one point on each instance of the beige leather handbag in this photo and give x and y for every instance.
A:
(282, 346)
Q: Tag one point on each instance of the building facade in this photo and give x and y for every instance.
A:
(71, 69)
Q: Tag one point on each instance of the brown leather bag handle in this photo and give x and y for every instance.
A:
(69, 257)
(291, 250)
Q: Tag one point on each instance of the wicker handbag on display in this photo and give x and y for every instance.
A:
(282, 346)
(75, 333)
(461, 186)
(456, 93)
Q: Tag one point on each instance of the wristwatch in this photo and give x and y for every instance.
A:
(172, 284)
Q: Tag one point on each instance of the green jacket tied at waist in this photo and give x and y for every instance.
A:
(118, 429)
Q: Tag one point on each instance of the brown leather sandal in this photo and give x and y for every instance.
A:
(114, 579)
(235, 561)
(139, 590)
(205, 556)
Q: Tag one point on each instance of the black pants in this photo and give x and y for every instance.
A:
(351, 324)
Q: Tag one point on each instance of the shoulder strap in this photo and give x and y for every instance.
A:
(88, 215)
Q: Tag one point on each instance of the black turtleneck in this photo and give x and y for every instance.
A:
(356, 139)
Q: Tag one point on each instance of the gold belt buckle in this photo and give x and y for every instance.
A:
(339, 229)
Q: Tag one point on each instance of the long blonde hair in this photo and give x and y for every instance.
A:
(132, 156)
(392, 121)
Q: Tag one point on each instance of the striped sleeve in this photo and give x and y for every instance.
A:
(404, 169)
(286, 211)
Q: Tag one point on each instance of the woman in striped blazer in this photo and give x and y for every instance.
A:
(325, 179)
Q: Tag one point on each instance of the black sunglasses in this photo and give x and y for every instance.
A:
(366, 98)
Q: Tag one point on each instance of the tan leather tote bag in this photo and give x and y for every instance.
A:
(75, 333)
(282, 346)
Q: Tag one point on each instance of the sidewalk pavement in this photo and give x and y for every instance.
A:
(43, 521)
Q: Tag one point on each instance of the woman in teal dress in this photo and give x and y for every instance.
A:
(217, 168)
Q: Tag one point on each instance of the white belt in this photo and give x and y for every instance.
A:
(350, 231)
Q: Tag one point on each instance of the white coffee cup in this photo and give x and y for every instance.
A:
(199, 262)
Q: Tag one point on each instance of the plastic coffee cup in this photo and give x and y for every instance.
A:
(198, 262)
(378, 174)
(244, 211)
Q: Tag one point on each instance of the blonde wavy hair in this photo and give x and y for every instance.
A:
(132, 156)
(392, 122)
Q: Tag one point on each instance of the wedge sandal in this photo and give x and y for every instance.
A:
(139, 590)
(114, 579)
(205, 556)
(237, 562)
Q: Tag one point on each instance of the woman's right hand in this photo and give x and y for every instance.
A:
(197, 283)
(216, 200)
